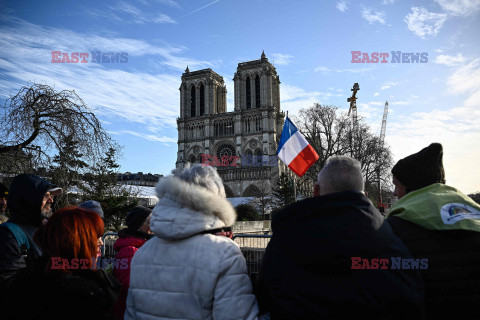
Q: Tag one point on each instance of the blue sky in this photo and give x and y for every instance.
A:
(309, 42)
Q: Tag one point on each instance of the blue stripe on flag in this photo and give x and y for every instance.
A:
(288, 130)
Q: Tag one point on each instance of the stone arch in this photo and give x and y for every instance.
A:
(247, 158)
(258, 157)
(193, 98)
(228, 191)
(257, 91)
(248, 92)
(202, 99)
(252, 191)
(191, 159)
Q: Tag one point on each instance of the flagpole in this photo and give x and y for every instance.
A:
(295, 186)
(294, 178)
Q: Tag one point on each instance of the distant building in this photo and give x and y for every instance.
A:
(139, 179)
(242, 144)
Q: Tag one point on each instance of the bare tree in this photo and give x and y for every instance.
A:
(36, 121)
(330, 133)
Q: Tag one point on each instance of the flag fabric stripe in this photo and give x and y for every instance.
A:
(292, 147)
(294, 150)
(289, 129)
(303, 161)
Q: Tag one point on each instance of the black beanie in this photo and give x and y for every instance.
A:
(3, 191)
(136, 217)
(421, 169)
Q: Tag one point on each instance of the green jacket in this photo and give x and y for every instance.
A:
(438, 207)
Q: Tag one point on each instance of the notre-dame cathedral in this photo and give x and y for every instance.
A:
(242, 144)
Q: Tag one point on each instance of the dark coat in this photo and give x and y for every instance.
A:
(82, 294)
(125, 246)
(452, 280)
(24, 202)
(306, 271)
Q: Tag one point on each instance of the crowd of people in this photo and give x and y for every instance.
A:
(332, 256)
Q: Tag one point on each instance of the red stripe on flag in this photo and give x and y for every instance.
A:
(303, 161)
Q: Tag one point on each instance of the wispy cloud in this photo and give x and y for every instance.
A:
(170, 3)
(409, 134)
(424, 23)
(136, 15)
(388, 2)
(450, 60)
(294, 98)
(147, 136)
(326, 70)
(376, 94)
(377, 16)
(466, 79)
(460, 7)
(322, 69)
(342, 6)
(388, 85)
(149, 98)
(282, 59)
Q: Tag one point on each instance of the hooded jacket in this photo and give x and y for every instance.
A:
(24, 203)
(125, 246)
(307, 270)
(441, 224)
(184, 273)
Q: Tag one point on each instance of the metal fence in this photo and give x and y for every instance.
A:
(252, 246)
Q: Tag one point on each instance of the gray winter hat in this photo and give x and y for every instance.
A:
(92, 206)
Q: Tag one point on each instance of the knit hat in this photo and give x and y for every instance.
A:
(3, 191)
(421, 169)
(136, 217)
(92, 206)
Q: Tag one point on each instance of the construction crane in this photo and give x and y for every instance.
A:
(380, 144)
(353, 112)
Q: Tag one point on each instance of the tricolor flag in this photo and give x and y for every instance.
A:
(294, 150)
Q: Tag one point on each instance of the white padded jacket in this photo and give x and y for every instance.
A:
(184, 274)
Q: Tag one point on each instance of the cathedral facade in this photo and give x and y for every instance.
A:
(242, 144)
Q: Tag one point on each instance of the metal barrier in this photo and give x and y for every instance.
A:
(252, 246)
(107, 248)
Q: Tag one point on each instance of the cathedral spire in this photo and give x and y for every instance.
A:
(263, 57)
(187, 70)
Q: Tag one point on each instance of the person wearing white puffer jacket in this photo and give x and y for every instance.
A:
(186, 271)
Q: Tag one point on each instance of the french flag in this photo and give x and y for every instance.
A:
(294, 150)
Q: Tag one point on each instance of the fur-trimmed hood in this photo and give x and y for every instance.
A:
(185, 209)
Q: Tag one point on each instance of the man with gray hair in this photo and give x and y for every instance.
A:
(330, 256)
(340, 174)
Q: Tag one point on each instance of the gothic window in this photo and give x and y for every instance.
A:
(192, 159)
(226, 150)
(219, 99)
(192, 101)
(258, 157)
(257, 91)
(247, 158)
(249, 93)
(202, 100)
(223, 128)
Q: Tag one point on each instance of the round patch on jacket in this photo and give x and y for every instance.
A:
(453, 212)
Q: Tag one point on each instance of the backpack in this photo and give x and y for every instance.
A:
(20, 236)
